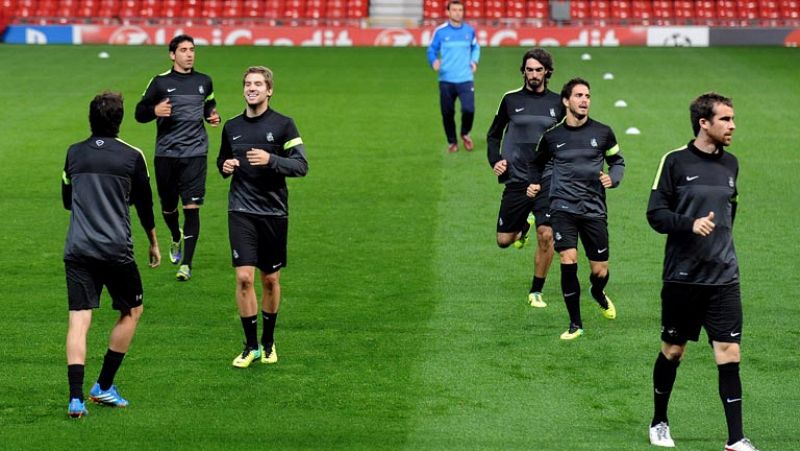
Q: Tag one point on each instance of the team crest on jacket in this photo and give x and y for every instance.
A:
(552, 112)
(730, 182)
(594, 142)
(202, 91)
(100, 143)
(270, 138)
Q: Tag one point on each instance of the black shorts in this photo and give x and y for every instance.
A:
(258, 240)
(541, 206)
(183, 178)
(515, 206)
(686, 307)
(593, 233)
(85, 282)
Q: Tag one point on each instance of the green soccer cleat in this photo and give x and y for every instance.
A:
(269, 357)
(535, 300)
(184, 273)
(573, 333)
(611, 311)
(247, 356)
(176, 250)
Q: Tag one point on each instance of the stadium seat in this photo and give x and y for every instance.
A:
(663, 12)
(433, 10)
(705, 12)
(747, 10)
(515, 9)
(357, 9)
(474, 9)
(599, 12)
(294, 9)
(641, 12)
(684, 12)
(726, 13)
(538, 9)
(620, 11)
(790, 12)
(494, 9)
(579, 11)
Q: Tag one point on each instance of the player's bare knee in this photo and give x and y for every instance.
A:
(504, 240)
(244, 281)
(673, 352)
(726, 352)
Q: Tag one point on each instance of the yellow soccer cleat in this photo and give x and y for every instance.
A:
(247, 356)
(535, 300)
(184, 273)
(271, 357)
(611, 311)
(573, 333)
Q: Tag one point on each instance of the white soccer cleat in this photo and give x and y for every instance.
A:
(742, 445)
(659, 436)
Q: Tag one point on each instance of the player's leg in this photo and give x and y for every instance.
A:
(594, 236)
(512, 219)
(167, 187)
(83, 295)
(192, 189)
(681, 315)
(565, 242)
(272, 257)
(466, 94)
(543, 256)
(724, 328)
(125, 288)
(447, 104)
(243, 236)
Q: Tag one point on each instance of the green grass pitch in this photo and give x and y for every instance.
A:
(403, 326)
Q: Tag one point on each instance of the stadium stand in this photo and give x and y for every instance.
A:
(535, 13)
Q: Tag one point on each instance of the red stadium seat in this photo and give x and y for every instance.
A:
(726, 13)
(663, 12)
(747, 10)
(599, 11)
(431, 9)
(620, 11)
(641, 12)
(789, 9)
(579, 11)
(538, 9)
(684, 12)
(515, 9)
(357, 9)
(705, 12)
(294, 9)
(474, 9)
(494, 9)
(315, 9)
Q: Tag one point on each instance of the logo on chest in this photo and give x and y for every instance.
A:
(730, 182)
(594, 142)
(552, 112)
(270, 138)
(201, 90)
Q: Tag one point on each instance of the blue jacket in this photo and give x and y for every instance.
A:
(458, 48)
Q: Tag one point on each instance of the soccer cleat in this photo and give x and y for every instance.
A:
(452, 148)
(184, 273)
(76, 408)
(742, 445)
(176, 251)
(535, 300)
(271, 357)
(573, 333)
(524, 237)
(611, 311)
(468, 144)
(108, 397)
(659, 436)
(247, 356)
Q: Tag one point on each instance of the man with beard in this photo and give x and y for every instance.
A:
(523, 116)
(578, 147)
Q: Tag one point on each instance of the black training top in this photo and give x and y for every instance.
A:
(261, 190)
(578, 154)
(688, 185)
(102, 177)
(523, 116)
(182, 134)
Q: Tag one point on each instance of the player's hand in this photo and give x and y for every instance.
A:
(213, 118)
(258, 157)
(533, 190)
(164, 109)
(155, 256)
(705, 225)
(500, 167)
(605, 179)
(437, 64)
(228, 166)
(474, 66)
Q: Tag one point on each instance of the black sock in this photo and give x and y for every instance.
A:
(571, 289)
(111, 363)
(598, 285)
(250, 325)
(730, 391)
(537, 285)
(664, 373)
(172, 224)
(191, 230)
(268, 333)
(467, 118)
(75, 377)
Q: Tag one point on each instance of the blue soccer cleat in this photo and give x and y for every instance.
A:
(76, 408)
(108, 397)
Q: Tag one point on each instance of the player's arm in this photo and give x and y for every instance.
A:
(66, 188)
(475, 53)
(226, 163)
(615, 161)
(142, 198)
(494, 137)
(433, 50)
(145, 109)
(210, 106)
(661, 206)
(735, 198)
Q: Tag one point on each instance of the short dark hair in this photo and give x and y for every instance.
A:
(541, 55)
(265, 71)
(566, 91)
(176, 41)
(105, 114)
(703, 108)
(454, 2)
